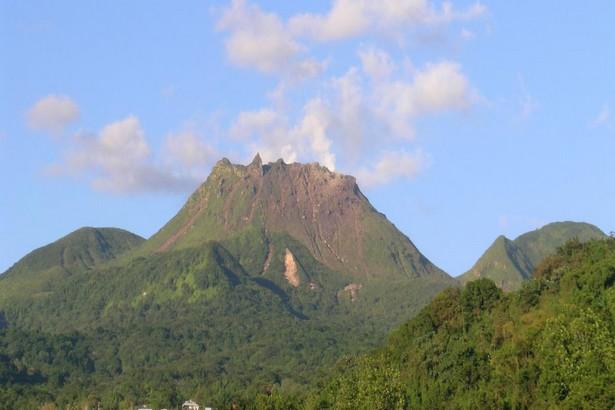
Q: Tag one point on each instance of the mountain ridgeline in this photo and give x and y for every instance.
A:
(81, 250)
(268, 273)
(265, 278)
(325, 211)
(511, 262)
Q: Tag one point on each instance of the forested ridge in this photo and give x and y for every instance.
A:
(195, 322)
(548, 345)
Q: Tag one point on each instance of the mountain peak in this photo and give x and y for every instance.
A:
(256, 166)
(257, 161)
(82, 248)
(324, 210)
(510, 262)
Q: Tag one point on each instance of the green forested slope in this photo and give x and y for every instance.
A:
(548, 345)
(217, 322)
(543, 242)
(83, 248)
(80, 250)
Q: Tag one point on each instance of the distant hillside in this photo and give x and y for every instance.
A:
(80, 250)
(509, 263)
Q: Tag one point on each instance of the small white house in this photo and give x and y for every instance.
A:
(190, 405)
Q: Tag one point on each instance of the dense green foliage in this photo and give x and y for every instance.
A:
(205, 322)
(80, 250)
(510, 263)
(549, 345)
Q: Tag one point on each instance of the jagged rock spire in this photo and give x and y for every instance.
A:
(256, 165)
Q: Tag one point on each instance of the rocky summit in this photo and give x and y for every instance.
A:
(324, 210)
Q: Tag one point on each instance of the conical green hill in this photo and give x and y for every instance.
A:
(509, 263)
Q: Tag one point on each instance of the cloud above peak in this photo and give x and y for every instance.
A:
(352, 18)
(392, 165)
(260, 40)
(119, 159)
(273, 135)
(359, 113)
(52, 114)
(264, 41)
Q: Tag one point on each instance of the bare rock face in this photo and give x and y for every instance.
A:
(324, 210)
(291, 272)
(353, 290)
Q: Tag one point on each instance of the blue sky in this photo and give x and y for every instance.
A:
(461, 120)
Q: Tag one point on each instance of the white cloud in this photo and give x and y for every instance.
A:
(189, 151)
(306, 68)
(313, 128)
(272, 135)
(266, 131)
(376, 63)
(351, 112)
(52, 113)
(448, 13)
(393, 165)
(352, 18)
(354, 117)
(119, 159)
(602, 118)
(438, 87)
(347, 18)
(260, 40)
(341, 122)
(249, 123)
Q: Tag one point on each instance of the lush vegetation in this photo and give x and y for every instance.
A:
(549, 345)
(206, 310)
(206, 322)
(80, 250)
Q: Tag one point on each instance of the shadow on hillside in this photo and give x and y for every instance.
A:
(266, 283)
